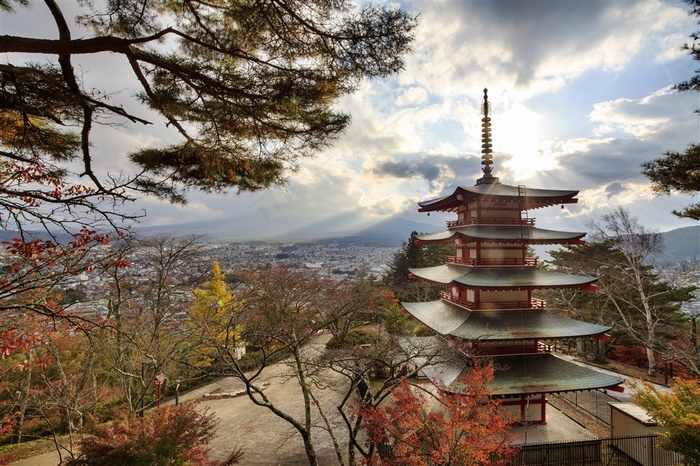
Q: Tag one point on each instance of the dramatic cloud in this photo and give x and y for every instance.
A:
(580, 96)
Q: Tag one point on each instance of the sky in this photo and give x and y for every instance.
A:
(581, 95)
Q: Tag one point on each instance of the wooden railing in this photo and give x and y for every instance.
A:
(509, 261)
(505, 305)
(492, 221)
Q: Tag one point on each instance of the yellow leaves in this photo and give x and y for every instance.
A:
(214, 311)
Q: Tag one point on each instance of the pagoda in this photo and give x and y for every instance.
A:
(487, 309)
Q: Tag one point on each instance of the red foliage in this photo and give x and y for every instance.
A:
(170, 435)
(440, 427)
(635, 355)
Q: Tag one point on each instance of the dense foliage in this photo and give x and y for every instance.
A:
(631, 296)
(245, 89)
(680, 412)
(424, 425)
(172, 435)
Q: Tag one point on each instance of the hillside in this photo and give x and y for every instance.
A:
(680, 245)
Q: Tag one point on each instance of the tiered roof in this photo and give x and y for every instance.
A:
(500, 278)
(527, 374)
(502, 234)
(490, 216)
(528, 198)
(502, 325)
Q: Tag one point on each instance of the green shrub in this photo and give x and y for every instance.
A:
(397, 322)
(353, 338)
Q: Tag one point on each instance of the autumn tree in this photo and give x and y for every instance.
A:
(427, 425)
(284, 316)
(168, 436)
(246, 89)
(679, 411)
(213, 312)
(680, 171)
(282, 312)
(31, 271)
(54, 382)
(145, 334)
(371, 371)
(643, 302)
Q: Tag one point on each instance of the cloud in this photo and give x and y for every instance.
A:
(412, 96)
(431, 168)
(418, 135)
(527, 48)
(644, 118)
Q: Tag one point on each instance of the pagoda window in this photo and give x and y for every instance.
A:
(472, 296)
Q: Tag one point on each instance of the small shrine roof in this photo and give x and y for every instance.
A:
(500, 277)
(531, 198)
(526, 374)
(505, 233)
(512, 324)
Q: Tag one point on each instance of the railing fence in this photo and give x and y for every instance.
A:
(646, 450)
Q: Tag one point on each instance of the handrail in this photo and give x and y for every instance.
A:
(513, 261)
(534, 303)
(491, 221)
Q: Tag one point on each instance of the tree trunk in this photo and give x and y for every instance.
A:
(581, 348)
(22, 402)
(600, 352)
(652, 361)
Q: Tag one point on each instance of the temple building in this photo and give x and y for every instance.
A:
(487, 308)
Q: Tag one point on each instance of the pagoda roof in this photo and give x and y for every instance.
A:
(530, 198)
(500, 277)
(512, 324)
(503, 233)
(526, 374)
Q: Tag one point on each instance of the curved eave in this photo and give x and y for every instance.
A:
(512, 324)
(500, 278)
(503, 234)
(528, 197)
(530, 374)
(542, 374)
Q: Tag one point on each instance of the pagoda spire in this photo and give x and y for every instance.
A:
(486, 148)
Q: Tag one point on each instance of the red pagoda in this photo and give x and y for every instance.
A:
(487, 309)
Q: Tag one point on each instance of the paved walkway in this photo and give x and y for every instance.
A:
(268, 440)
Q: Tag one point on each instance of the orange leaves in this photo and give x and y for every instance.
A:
(426, 424)
(679, 412)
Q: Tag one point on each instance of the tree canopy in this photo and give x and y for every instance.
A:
(680, 171)
(248, 87)
(679, 412)
(677, 171)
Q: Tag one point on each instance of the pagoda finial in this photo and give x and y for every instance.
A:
(486, 151)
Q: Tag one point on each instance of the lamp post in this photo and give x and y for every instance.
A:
(159, 381)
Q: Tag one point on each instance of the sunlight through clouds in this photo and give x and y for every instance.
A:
(580, 98)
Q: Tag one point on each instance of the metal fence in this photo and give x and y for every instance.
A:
(644, 450)
(594, 402)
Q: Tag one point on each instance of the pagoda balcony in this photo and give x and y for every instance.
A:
(491, 221)
(505, 261)
(505, 305)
